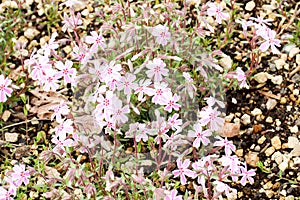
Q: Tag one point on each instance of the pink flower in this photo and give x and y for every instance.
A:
(105, 103)
(190, 88)
(161, 92)
(81, 53)
(242, 78)
(156, 69)
(143, 88)
(162, 34)
(4, 89)
(111, 72)
(50, 80)
(119, 111)
(64, 128)
(141, 133)
(222, 187)
(175, 123)
(59, 110)
(5, 195)
(245, 24)
(211, 101)
(127, 84)
(183, 171)
(170, 102)
(216, 10)
(270, 41)
(46, 48)
(210, 115)
(232, 161)
(260, 21)
(172, 196)
(247, 175)
(66, 71)
(20, 175)
(70, 23)
(201, 136)
(40, 67)
(97, 40)
(228, 145)
(61, 143)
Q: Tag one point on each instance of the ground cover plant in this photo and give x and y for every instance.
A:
(147, 110)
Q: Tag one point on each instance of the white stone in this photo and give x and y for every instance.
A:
(11, 137)
(294, 51)
(284, 165)
(250, 6)
(269, 151)
(256, 112)
(292, 142)
(30, 33)
(261, 140)
(298, 59)
(294, 129)
(271, 103)
(277, 79)
(246, 119)
(279, 63)
(269, 120)
(229, 117)
(277, 157)
(6, 114)
(276, 142)
(226, 62)
(261, 77)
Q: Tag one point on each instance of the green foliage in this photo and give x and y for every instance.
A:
(10, 21)
(296, 35)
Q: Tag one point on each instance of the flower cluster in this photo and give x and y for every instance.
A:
(17, 176)
(119, 92)
(4, 89)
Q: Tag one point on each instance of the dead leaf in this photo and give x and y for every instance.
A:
(231, 129)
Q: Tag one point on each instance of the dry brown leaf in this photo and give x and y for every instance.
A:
(231, 129)
(43, 101)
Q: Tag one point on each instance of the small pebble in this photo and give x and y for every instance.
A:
(246, 119)
(284, 165)
(271, 103)
(269, 151)
(226, 62)
(6, 114)
(269, 120)
(261, 77)
(277, 79)
(298, 59)
(252, 159)
(261, 140)
(256, 112)
(277, 122)
(294, 129)
(294, 51)
(11, 137)
(250, 6)
(277, 157)
(283, 100)
(239, 152)
(279, 63)
(268, 185)
(276, 142)
(269, 193)
(296, 78)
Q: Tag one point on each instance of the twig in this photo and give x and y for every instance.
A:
(24, 122)
(270, 95)
(295, 71)
(296, 12)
